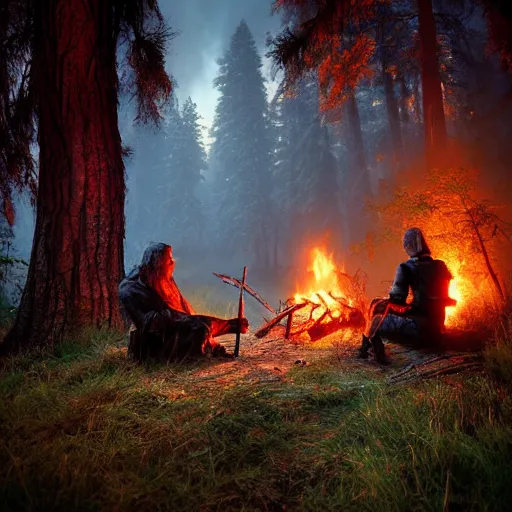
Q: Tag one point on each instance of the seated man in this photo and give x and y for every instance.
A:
(421, 321)
(167, 328)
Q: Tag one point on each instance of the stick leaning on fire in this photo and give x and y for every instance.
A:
(244, 287)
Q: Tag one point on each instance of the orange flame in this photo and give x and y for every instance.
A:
(323, 290)
(324, 286)
(460, 290)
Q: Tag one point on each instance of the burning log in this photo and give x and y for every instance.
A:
(324, 303)
(321, 329)
(329, 306)
(288, 326)
(265, 329)
(342, 302)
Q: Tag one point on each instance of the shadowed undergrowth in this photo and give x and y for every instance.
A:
(86, 429)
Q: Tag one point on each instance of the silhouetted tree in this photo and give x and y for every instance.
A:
(306, 171)
(433, 109)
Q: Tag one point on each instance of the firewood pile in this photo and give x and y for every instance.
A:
(321, 313)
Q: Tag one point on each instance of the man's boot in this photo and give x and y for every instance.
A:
(365, 347)
(379, 351)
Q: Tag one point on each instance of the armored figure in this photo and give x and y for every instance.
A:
(420, 321)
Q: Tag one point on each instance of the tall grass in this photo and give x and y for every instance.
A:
(87, 429)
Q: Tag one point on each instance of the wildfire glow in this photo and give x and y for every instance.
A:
(460, 290)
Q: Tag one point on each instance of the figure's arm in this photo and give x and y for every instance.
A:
(448, 274)
(400, 289)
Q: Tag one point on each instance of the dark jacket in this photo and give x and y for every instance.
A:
(139, 300)
(428, 280)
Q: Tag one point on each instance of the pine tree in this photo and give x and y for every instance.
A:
(148, 177)
(241, 157)
(183, 210)
(163, 178)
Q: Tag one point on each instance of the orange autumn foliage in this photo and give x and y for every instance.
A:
(331, 41)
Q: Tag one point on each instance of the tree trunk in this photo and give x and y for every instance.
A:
(405, 96)
(394, 121)
(393, 113)
(358, 179)
(392, 107)
(433, 110)
(77, 253)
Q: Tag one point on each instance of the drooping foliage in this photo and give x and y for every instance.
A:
(17, 104)
(136, 27)
(328, 36)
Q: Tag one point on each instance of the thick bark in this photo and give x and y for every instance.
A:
(433, 110)
(77, 254)
(358, 186)
(392, 106)
(394, 121)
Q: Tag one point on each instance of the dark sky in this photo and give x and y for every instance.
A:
(205, 28)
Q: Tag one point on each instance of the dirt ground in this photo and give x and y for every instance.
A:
(270, 359)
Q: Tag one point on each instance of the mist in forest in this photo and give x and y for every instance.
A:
(240, 174)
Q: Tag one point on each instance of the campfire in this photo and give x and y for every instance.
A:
(329, 300)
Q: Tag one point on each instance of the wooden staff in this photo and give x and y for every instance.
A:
(240, 314)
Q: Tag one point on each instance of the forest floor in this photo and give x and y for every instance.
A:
(287, 426)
